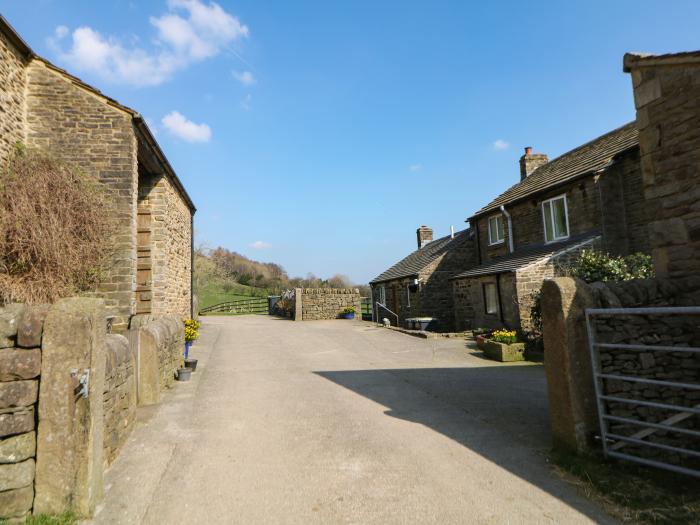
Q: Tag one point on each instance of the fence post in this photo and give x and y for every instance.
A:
(573, 416)
(70, 432)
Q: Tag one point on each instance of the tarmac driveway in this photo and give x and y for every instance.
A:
(342, 422)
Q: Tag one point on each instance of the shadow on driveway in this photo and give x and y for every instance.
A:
(499, 412)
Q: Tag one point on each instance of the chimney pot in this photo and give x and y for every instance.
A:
(528, 150)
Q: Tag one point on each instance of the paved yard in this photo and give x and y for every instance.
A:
(340, 421)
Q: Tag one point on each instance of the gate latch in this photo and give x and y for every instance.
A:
(81, 389)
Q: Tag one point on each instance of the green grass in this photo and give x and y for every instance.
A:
(631, 493)
(216, 291)
(64, 519)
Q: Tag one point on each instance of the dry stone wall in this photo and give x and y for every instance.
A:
(20, 369)
(119, 396)
(327, 303)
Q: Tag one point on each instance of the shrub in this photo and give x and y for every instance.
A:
(505, 336)
(56, 229)
(594, 266)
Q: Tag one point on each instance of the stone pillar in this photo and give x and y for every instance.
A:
(666, 94)
(298, 304)
(147, 366)
(69, 440)
(572, 407)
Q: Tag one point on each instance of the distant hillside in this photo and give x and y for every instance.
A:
(221, 275)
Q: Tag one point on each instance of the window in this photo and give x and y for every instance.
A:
(556, 219)
(491, 298)
(382, 294)
(496, 229)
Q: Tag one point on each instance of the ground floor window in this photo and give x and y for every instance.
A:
(491, 298)
(381, 293)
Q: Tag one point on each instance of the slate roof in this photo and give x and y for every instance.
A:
(588, 158)
(526, 256)
(415, 262)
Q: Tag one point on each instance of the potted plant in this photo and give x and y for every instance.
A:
(481, 335)
(191, 334)
(503, 345)
(348, 312)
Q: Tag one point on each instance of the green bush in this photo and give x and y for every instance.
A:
(595, 266)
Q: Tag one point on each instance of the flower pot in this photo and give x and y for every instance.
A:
(188, 345)
(191, 364)
(347, 316)
(184, 374)
(504, 352)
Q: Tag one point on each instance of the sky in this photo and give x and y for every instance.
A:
(320, 134)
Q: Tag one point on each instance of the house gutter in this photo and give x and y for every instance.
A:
(510, 228)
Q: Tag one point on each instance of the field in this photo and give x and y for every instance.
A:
(218, 291)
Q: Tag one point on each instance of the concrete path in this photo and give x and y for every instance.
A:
(341, 422)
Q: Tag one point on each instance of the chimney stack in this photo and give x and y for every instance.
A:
(424, 235)
(530, 162)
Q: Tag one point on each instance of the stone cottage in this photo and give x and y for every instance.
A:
(45, 107)
(419, 285)
(588, 197)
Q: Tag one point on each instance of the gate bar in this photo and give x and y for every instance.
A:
(657, 464)
(652, 425)
(633, 379)
(652, 404)
(661, 310)
(642, 442)
(652, 348)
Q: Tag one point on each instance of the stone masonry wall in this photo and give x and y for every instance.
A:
(119, 396)
(171, 250)
(667, 330)
(88, 132)
(667, 95)
(327, 303)
(12, 104)
(20, 369)
(169, 340)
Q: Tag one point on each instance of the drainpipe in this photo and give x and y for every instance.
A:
(510, 228)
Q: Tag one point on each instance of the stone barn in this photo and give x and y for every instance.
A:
(47, 108)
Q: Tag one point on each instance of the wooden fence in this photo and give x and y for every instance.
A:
(254, 305)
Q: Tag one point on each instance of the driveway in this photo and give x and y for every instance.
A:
(341, 422)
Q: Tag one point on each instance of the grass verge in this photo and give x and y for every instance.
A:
(631, 493)
(63, 519)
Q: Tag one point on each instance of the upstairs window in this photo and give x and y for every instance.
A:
(491, 298)
(556, 219)
(495, 229)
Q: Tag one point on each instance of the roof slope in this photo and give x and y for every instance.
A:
(588, 158)
(415, 262)
(521, 258)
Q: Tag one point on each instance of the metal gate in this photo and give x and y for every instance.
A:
(613, 441)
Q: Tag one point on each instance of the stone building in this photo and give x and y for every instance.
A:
(45, 107)
(667, 98)
(588, 197)
(419, 285)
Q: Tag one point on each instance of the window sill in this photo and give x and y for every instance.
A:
(559, 239)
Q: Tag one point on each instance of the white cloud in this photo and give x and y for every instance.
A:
(246, 102)
(500, 145)
(178, 125)
(415, 167)
(191, 31)
(245, 77)
(260, 245)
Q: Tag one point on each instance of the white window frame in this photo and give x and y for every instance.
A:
(502, 239)
(382, 294)
(486, 302)
(551, 217)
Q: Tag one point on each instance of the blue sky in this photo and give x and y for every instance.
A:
(321, 134)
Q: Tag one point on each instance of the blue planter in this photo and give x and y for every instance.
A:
(188, 344)
(347, 316)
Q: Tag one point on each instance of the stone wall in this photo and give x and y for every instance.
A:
(20, 369)
(573, 387)
(12, 105)
(666, 94)
(81, 128)
(171, 250)
(327, 303)
(119, 396)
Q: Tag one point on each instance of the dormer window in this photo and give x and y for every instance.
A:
(555, 215)
(496, 229)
